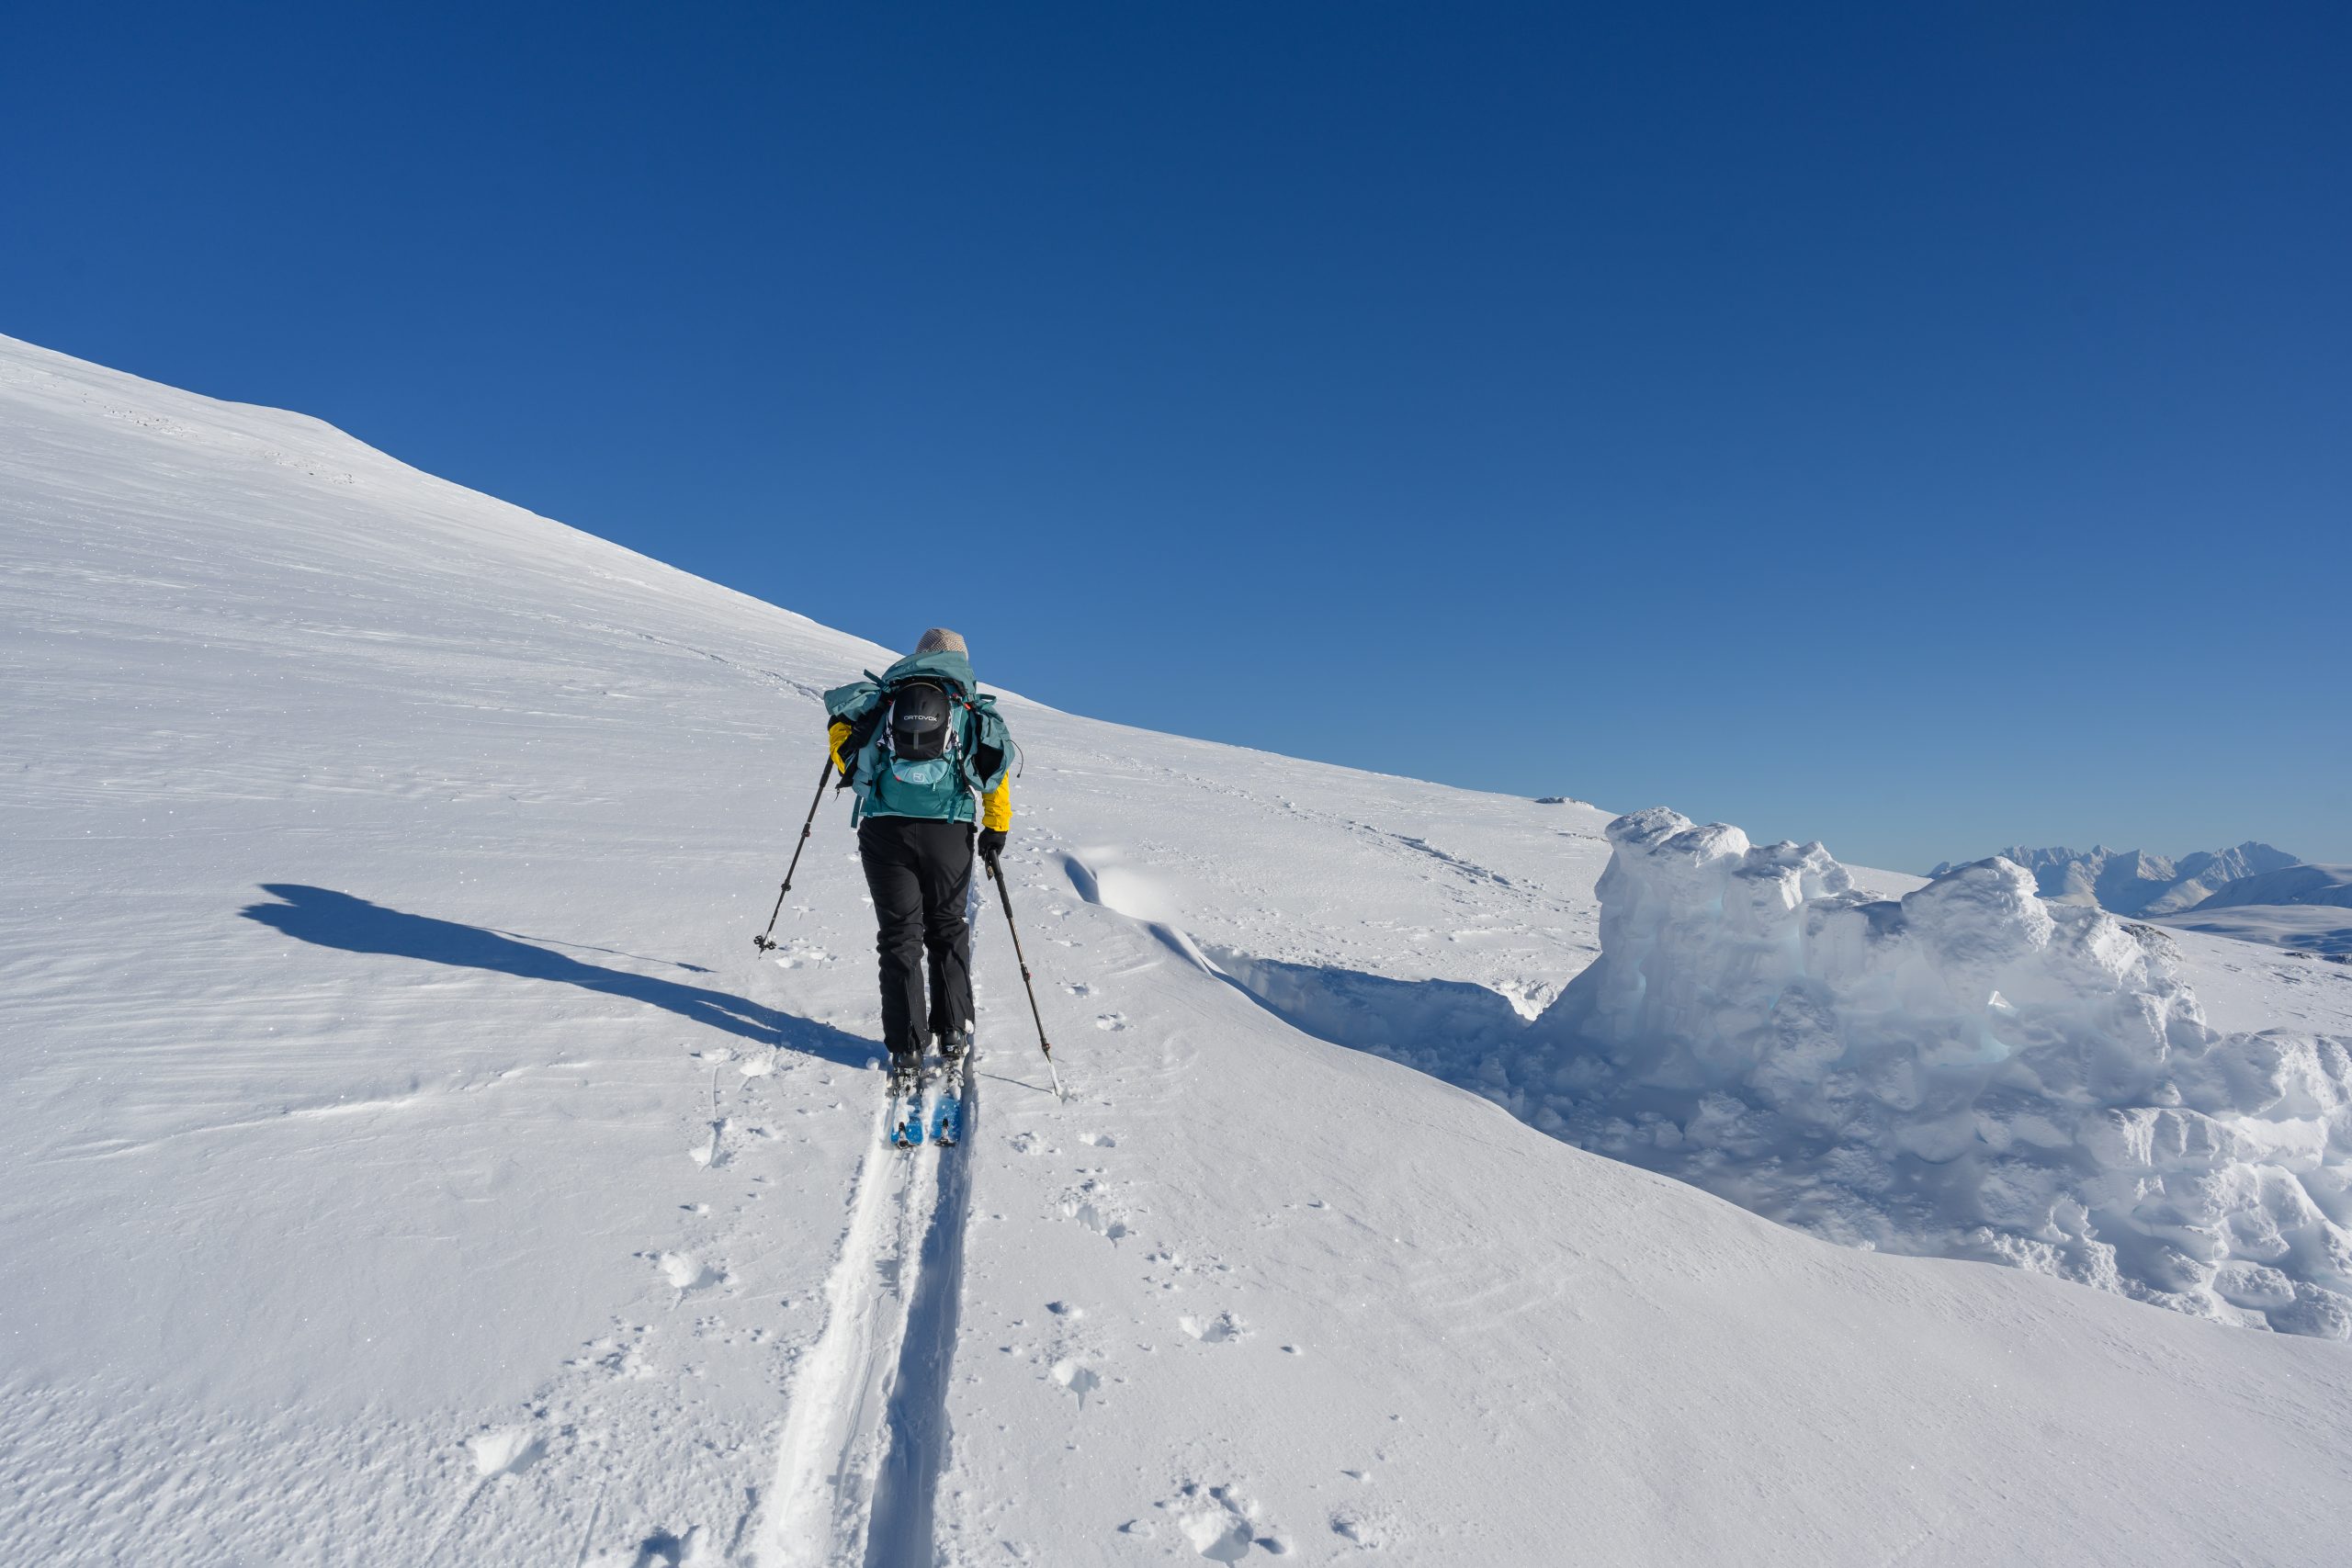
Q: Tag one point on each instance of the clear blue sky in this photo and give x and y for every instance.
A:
(1921, 427)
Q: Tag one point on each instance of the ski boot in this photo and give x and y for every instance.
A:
(906, 1072)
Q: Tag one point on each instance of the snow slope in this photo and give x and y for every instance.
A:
(2306, 929)
(2317, 885)
(409, 1163)
(2305, 908)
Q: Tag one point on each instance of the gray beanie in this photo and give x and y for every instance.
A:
(939, 639)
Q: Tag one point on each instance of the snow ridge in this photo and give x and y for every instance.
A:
(2316, 886)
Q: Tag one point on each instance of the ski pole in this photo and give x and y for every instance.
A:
(761, 940)
(1004, 897)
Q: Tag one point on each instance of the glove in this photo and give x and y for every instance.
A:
(991, 845)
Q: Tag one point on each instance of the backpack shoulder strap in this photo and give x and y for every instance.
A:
(861, 728)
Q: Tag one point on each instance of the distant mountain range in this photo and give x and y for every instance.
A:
(2133, 882)
(2305, 885)
(2255, 891)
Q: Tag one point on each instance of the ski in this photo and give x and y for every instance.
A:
(956, 1086)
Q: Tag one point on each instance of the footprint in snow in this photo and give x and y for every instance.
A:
(1111, 1020)
(664, 1550)
(628, 1362)
(1221, 1329)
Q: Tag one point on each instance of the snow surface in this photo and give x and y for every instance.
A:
(411, 1162)
(2324, 929)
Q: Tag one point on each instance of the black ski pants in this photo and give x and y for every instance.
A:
(920, 874)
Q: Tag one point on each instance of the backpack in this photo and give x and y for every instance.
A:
(918, 725)
(921, 742)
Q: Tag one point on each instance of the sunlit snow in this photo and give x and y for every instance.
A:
(412, 1161)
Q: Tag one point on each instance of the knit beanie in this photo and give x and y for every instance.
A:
(939, 639)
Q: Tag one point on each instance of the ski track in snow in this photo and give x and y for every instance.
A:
(865, 1432)
(899, 1530)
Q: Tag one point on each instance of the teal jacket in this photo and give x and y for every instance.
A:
(974, 782)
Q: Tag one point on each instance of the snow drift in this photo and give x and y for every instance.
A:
(1968, 1070)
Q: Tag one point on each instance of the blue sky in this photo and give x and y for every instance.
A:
(1923, 428)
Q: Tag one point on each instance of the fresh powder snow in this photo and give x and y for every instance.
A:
(412, 1162)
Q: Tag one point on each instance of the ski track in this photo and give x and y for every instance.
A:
(865, 1432)
(899, 1532)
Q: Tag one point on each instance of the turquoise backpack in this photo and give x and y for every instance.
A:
(943, 788)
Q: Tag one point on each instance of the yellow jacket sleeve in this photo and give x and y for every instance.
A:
(833, 738)
(996, 806)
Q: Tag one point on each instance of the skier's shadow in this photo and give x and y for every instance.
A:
(336, 920)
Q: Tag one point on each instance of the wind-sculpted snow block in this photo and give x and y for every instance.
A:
(1969, 1071)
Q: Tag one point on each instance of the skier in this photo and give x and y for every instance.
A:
(930, 762)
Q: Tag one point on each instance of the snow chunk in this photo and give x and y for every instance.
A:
(1079, 1379)
(1970, 1071)
(683, 1270)
(503, 1451)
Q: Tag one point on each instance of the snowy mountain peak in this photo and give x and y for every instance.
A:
(2131, 882)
